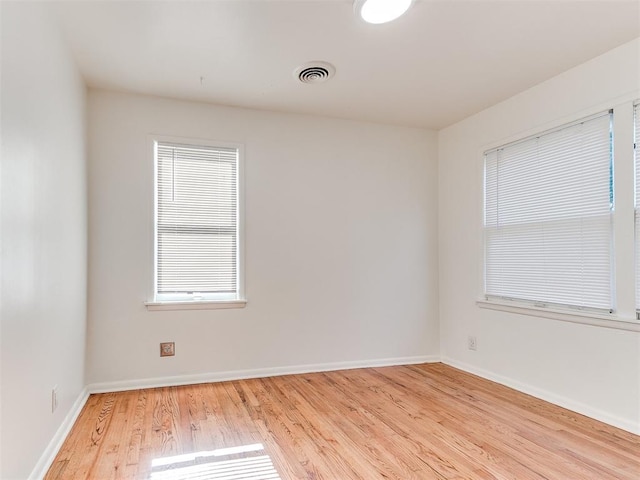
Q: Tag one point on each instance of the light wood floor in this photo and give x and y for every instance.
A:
(412, 422)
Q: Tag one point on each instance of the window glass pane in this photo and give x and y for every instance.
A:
(196, 220)
(548, 205)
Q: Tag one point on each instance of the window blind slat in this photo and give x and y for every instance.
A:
(548, 205)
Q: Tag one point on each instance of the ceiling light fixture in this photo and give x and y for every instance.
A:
(380, 11)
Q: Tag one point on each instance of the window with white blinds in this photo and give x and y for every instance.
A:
(197, 234)
(548, 217)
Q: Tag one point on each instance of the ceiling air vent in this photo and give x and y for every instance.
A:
(314, 72)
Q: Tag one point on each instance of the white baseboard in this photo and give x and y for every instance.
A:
(597, 414)
(253, 373)
(49, 454)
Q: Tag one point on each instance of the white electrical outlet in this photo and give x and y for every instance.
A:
(472, 342)
(54, 398)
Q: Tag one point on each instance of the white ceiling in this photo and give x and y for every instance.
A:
(441, 62)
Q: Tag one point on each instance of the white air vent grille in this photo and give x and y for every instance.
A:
(314, 72)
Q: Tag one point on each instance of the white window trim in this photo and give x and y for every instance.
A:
(624, 219)
(195, 305)
(583, 317)
(197, 302)
(636, 197)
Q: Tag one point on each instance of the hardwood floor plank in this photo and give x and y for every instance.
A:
(136, 433)
(418, 422)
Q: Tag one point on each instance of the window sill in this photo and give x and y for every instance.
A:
(585, 318)
(195, 305)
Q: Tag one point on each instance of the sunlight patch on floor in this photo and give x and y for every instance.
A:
(213, 465)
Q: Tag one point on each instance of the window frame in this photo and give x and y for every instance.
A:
(636, 200)
(521, 305)
(200, 301)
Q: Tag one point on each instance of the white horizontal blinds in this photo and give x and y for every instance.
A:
(636, 140)
(548, 206)
(197, 211)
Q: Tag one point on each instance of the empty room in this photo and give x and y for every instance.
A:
(320, 239)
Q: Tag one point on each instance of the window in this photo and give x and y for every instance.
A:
(548, 217)
(197, 250)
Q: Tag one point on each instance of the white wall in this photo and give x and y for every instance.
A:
(591, 369)
(341, 259)
(43, 221)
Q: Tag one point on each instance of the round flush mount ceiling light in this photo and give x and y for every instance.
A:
(380, 11)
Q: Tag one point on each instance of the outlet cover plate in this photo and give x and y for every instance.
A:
(167, 349)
